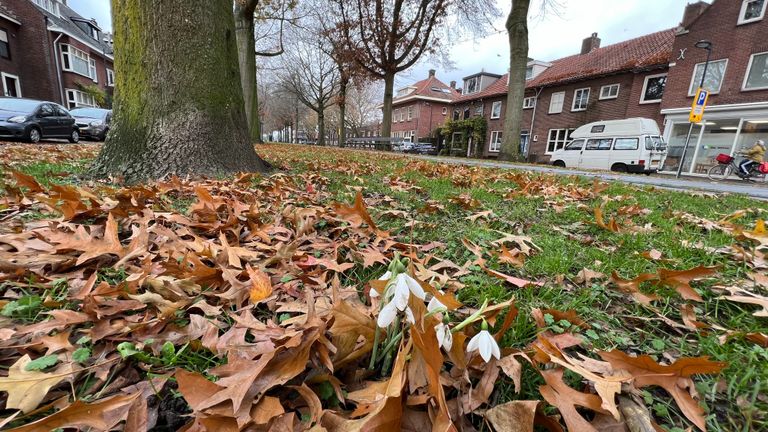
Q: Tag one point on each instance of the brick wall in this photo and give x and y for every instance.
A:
(426, 117)
(72, 79)
(31, 51)
(730, 41)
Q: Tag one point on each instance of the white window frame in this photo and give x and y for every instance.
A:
(74, 52)
(402, 115)
(445, 110)
(494, 145)
(477, 85)
(749, 70)
(73, 102)
(478, 111)
(92, 69)
(609, 87)
(695, 83)
(3, 76)
(562, 103)
(645, 87)
(410, 112)
(496, 106)
(744, 10)
(50, 5)
(529, 102)
(586, 104)
(110, 77)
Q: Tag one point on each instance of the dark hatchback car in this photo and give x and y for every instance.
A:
(93, 122)
(32, 120)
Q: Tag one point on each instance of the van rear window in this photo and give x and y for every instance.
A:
(599, 144)
(598, 129)
(626, 144)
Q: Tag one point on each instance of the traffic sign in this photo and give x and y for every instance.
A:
(699, 103)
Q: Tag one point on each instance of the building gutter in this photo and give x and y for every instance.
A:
(58, 68)
(9, 18)
(533, 121)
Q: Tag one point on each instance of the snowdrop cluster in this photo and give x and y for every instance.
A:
(396, 297)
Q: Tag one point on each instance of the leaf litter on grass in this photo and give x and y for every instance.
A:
(244, 305)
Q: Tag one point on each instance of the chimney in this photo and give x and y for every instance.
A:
(590, 44)
(692, 11)
(453, 84)
(431, 73)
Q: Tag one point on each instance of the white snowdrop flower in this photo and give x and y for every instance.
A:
(387, 315)
(412, 284)
(401, 296)
(386, 275)
(409, 316)
(444, 336)
(485, 344)
(373, 293)
(435, 305)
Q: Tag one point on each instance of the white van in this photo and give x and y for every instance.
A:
(632, 145)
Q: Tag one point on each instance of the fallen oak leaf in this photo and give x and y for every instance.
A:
(27, 388)
(689, 317)
(518, 282)
(632, 287)
(517, 260)
(514, 416)
(599, 221)
(27, 181)
(749, 298)
(680, 280)
(101, 415)
(566, 399)
(261, 285)
(675, 378)
(585, 276)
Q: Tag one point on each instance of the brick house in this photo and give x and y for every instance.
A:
(737, 77)
(49, 52)
(618, 81)
(419, 109)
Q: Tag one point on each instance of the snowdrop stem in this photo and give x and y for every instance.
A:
(436, 311)
(390, 346)
(376, 336)
(472, 318)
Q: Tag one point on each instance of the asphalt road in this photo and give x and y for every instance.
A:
(757, 190)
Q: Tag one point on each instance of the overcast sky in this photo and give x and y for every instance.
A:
(552, 36)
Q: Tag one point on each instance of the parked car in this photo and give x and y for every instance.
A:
(632, 145)
(93, 122)
(32, 120)
(424, 148)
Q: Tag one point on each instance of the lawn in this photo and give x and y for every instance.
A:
(590, 267)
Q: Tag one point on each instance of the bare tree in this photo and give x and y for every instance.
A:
(363, 101)
(517, 31)
(312, 76)
(386, 37)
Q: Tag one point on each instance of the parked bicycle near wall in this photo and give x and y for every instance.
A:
(726, 166)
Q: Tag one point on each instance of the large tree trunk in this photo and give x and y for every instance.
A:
(517, 30)
(389, 86)
(246, 48)
(179, 104)
(321, 126)
(342, 112)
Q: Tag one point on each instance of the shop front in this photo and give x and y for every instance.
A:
(724, 130)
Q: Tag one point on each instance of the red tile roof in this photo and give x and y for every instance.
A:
(635, 54)
(639, 53)
(424, 89)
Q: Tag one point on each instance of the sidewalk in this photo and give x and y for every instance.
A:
(666, 181)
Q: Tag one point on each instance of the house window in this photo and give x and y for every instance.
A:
(529, 102)
(466, 113)
(410, 112)
(472, 85)
(495, 144)
(110, 77)
(609, 92)
(11, 85)
(653, 88)
(402, 115)
(77, 61)
(580, 99)
(94, 33)
(556, 103)
(757, 72)
(5, 47)
(714, 79)
(557, 139)
(479, 111)
(456, 114)
(529, 72)
(92, 70)
(751, 11)
(496, 110)
(445, 111)
(49, 5)
(77, 99)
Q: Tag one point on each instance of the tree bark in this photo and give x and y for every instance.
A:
(246, 48)
(179, 102)
(389, 86)
(342, 111)
(321, 126)
(517, 31)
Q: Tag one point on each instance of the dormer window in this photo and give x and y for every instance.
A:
(50, 5)
(472, 85)
(94, 32)
(752, 10)
(529, 72)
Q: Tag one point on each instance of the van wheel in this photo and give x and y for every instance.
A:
(619, 168)
(559, 163)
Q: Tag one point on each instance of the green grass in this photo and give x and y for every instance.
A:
(616, 321)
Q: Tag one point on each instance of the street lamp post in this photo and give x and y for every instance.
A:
(705, 45)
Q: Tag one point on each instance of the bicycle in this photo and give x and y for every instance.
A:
(726, 166)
